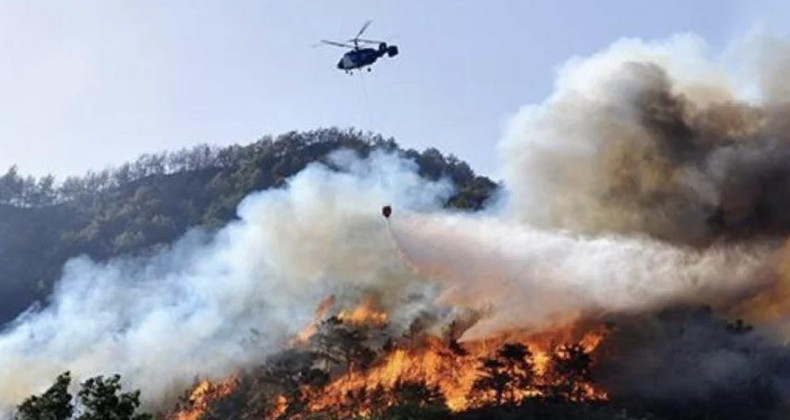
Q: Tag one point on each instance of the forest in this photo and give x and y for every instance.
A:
(341, 372)
(353, 362)
(143, 205)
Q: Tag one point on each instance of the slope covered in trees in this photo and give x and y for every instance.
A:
(510, 381)
(141, 206)
(148, 203)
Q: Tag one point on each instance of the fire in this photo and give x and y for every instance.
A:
(312, 328)
(366, 313)
(534, 365)
(450, 368)
(429, 362)
(280, 407)
(203, 395)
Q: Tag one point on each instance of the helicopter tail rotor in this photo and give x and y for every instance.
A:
(392, 51)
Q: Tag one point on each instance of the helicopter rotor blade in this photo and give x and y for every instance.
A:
(364, 27)
(336, 44)
(369, 41)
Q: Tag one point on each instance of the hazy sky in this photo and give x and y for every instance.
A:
(85, 84)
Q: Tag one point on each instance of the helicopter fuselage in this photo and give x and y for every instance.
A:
(356, 59)
(362, 57)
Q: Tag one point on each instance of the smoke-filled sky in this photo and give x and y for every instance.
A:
(89, 83)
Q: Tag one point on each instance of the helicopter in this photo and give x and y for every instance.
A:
(359, 58)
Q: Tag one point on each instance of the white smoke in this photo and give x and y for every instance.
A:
(522, 278)
(213, 303)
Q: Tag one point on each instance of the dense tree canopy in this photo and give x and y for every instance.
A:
(98, 399)
(53, 404)
(150, 202)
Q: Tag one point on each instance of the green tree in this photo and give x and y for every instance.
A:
(54, 404)
(11, 185)
(101, 399)
(45, 191)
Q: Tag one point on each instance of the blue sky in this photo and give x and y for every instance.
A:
(90, 83)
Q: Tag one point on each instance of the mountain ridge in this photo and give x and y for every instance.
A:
(143, 205)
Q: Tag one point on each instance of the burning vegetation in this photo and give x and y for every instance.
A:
(354, 364)
(199, 400)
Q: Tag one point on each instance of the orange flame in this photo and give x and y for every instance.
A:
(441, 364)
(437, 365)
(320, 313)
(368, 313)
(280, 407)
(203, 395)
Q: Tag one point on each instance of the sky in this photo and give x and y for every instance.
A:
(86, 84)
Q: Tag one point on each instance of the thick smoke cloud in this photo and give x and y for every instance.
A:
(642, 182)
(655, 139)
(215, 302)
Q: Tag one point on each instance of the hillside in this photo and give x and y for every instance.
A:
(310, 305)
(146, 204)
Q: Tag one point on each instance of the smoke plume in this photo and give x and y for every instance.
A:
(649, 179)
(654, 139)
(215, 302)
(520, 277)
(644, 181)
